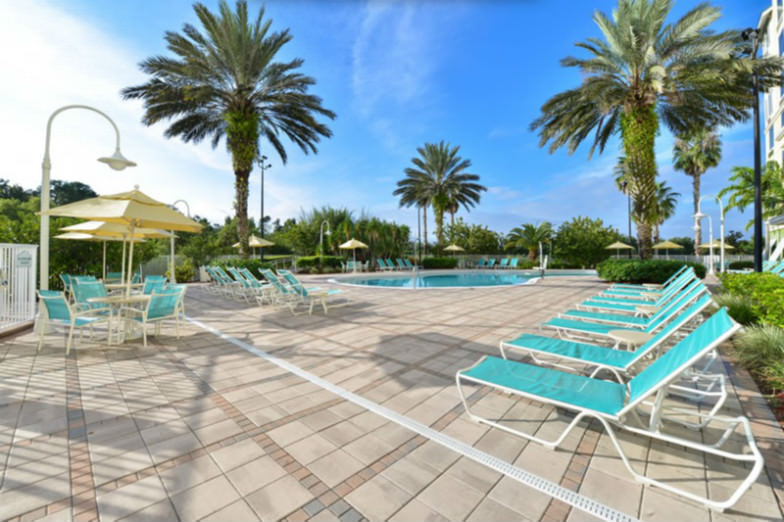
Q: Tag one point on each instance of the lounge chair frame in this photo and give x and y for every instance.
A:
(652, 430)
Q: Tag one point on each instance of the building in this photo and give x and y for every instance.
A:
(773, 101)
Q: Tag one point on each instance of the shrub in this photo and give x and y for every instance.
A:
(184, 273)
(637, 271)
(563, 264)
(740, 307)
(740, 265)
(525, 263)
(761, 350)
(766, 292)
(319, 264)
(252, 264)
(439, 262)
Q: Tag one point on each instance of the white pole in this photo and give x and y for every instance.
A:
(122, 270)
(46, 169)
(710, 244)
(721, 209)
(355, 259)
(130, 265)
(172, 277)
(104, 261)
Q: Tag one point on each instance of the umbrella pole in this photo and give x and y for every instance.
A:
(130, 265)
(172, 278)
(104, 260)
(122, 271)
(355, 259)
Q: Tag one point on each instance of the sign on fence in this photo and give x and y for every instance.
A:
(17, 284)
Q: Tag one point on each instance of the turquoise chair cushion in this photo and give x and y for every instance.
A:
(618, 318)
(584, 326)
(608, 306)
(585, 352)
(569, 388)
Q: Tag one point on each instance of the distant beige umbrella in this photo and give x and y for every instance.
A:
(454, 248)
(133, 209)
(619, 246)
(256, 242)
(353, 244)
(716, 245)
(666, 246)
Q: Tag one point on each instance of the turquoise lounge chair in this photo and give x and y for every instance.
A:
(390, 264)
(400, 264)
(646, 286)
(311, 295)
(513, 263)
(686, 278)
(153, 285)
(408, 263)
(576, 328)
(624, 318)
(482, 263)
(59, 312)
(491, 263)
(382, 264)
(504, 263)
(619, 362)
(616, 405)
(284, 295)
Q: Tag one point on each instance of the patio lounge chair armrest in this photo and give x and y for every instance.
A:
(91, 311)
(132, 310)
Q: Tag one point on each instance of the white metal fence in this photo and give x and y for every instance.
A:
(17, 284)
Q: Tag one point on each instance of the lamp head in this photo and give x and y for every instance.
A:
(117, 161)
(328, 232)
(699, 215)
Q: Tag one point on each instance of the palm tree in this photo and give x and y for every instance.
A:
(741, 191)
(644, 72)
(412, 193)
(224, 82)
(438, 178)
(666, 199)
(528, 236)
(694, 153)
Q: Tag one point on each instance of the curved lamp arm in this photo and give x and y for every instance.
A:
(65, 108)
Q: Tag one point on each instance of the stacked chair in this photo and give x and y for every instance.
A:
(584, 370)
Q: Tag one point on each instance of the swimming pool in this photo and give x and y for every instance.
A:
(452, 278)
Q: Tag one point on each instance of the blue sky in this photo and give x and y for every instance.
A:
(397, 74)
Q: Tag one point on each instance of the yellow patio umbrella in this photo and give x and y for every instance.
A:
(256, 242)
(133, 209)
(118, 231)
(454, 248)
(666, 246)
(85, 236)
(619, 246)
(716, 245)
(353, 244)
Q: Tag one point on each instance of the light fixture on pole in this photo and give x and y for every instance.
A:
(698, 216)
(116, 161)
(263, 167)
(321, 235)
(172, 272)
(753, 34)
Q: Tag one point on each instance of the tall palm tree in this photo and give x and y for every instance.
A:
(528, 236)
(224, 82)
(439, 178)
(666, 200)
(412, 193)
(644, 72)
(741, 191)
(694, 153)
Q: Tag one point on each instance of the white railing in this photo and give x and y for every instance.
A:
(17, 284)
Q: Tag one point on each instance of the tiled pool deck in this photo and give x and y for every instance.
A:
(200, 429)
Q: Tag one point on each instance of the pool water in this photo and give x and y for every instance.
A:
(448, 280)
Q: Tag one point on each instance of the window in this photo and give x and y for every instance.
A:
(782, 158)
(770, 137)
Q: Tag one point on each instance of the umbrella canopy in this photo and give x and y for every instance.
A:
(84, 236)
(619, 246)
(115, 230)
(132, 208)
(716, 245)
(353, 244)
(454, 248)
(667, 245)
(256, 242)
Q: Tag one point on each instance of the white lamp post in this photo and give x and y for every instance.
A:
(116, 161)
(321, 235)
(721, 229)
(697, 217)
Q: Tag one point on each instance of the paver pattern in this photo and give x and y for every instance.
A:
(197, 428)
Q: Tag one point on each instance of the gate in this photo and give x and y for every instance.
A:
(17, 284)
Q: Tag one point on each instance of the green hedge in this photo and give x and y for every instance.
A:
(637, 271)
(740, 265)
(765, 290)
(439, 262)
(252, 264)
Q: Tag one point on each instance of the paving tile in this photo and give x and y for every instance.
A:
(255, 474)
(278, 499)
(238, 511)
(204, 499)
(335, 467)
(161, 510)
(237, 454)
(310, 448)
(416, 510)
(189, 474)
(378, 498)
(491, 511)
(410, 474)
(451, 497)
(129, 499)
(28, 498)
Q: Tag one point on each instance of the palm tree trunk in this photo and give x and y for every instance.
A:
(241, 209)
(453, 219)
(695, 184)
(439, 228)
(638, 130)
